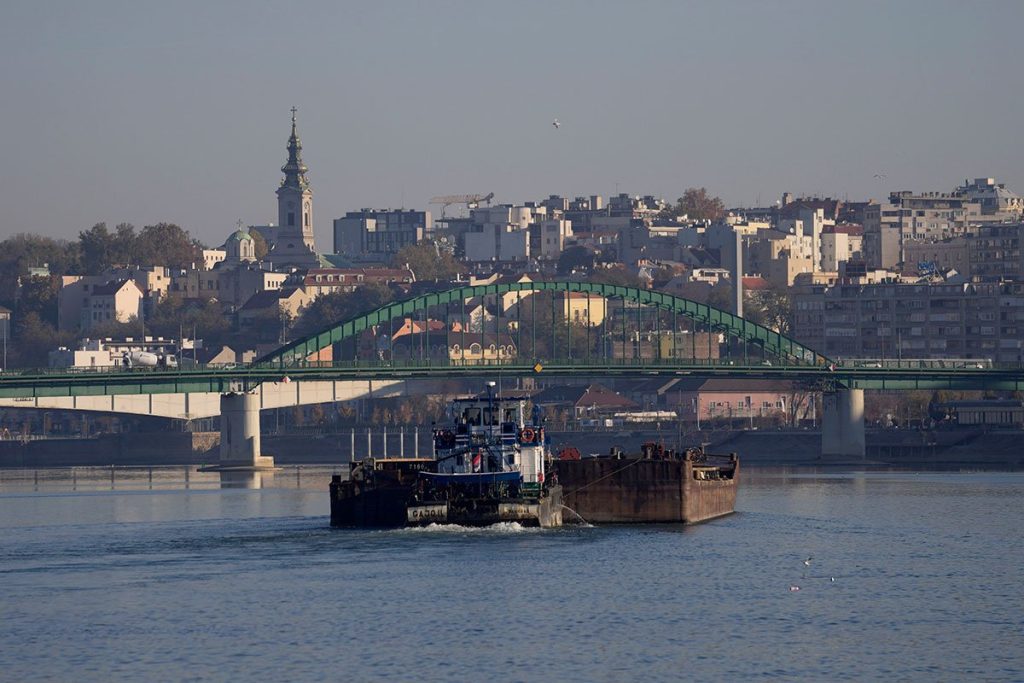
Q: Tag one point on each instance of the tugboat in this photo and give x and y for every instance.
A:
(488, 467)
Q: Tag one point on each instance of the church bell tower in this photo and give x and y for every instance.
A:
(294, 244)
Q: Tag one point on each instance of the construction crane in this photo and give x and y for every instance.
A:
(470, 200)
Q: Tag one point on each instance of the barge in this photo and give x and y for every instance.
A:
(491, 464)
(488, 467)
(658, 485)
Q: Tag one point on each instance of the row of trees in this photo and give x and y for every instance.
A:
(95, 250)
(164, 244)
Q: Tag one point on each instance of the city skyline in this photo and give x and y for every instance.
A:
(153, 114)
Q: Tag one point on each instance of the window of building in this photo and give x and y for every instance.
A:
(291, 218)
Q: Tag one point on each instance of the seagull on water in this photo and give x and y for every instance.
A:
(794, 589)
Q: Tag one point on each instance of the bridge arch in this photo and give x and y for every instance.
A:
(771, 342)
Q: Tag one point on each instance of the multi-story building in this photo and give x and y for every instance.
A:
(928, 216)
(780, 256)
(379, 234)
(229, 286)
(211, 257)
(584, 309)
(839, 244)
(957, 321)
(318, 281)
(986, 253)
(623, 205)
(116, 301)
(995, 252)
(548, 237)
(501, 233)
(995, 200)
(940, 257)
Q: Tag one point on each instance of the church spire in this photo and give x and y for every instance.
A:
(294, 170)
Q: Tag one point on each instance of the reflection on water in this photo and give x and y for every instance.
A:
(245, 480)
(190, 477)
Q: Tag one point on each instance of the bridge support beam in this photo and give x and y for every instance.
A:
(240, 434)
(842, 423)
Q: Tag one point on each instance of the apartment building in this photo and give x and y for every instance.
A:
(379, 234)
(983, 320)
(995, 200)
(907, 216)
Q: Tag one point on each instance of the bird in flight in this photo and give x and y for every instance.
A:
(556, 123)
(880, 175)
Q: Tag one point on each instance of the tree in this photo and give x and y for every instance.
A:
(18, 253)
(770, 307)
(116, 329)
(259, 245)
(166, 244)
(698, 205)
(96, 246)
(427, 260)
(34, 338)
(575, 258)
(171, 317)
(39, 295)
(328, 309)
(616, 275)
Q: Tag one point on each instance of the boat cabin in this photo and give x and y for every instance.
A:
(491, 434)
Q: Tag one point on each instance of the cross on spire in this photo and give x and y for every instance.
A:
(294, 111)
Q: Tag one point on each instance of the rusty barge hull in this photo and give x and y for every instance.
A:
(634, 490)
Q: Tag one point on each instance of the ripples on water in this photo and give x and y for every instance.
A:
(128, 583)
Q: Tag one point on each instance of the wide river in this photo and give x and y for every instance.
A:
(152, 575)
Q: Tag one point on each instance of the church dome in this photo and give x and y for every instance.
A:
(239, 235)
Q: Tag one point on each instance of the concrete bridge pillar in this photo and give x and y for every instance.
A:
(842, 423)
(240, 433)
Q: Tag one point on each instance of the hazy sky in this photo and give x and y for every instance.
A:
(146, 111)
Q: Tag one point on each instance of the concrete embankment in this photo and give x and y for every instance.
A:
(885, 448)
(162, 448)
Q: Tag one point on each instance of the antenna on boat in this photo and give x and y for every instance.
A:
(490, 421)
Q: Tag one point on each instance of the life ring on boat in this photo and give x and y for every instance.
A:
(527, 435)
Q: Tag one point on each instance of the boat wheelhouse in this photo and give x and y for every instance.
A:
(489, 467)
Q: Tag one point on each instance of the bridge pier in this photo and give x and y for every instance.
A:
(842, 423)
(240, 434)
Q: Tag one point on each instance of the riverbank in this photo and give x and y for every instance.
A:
(885, 448)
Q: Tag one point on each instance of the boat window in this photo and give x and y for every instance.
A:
(472, 417)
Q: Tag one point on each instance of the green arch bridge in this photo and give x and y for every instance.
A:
(527, 329)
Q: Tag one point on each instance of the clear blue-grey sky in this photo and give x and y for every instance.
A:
(146, 111)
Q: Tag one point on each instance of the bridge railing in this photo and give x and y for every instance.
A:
(518, 364)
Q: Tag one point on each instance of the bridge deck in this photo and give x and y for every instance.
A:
(38, 383)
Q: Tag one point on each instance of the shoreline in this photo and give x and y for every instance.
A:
(953, 449)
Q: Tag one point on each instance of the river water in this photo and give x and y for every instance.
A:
(149, 575)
